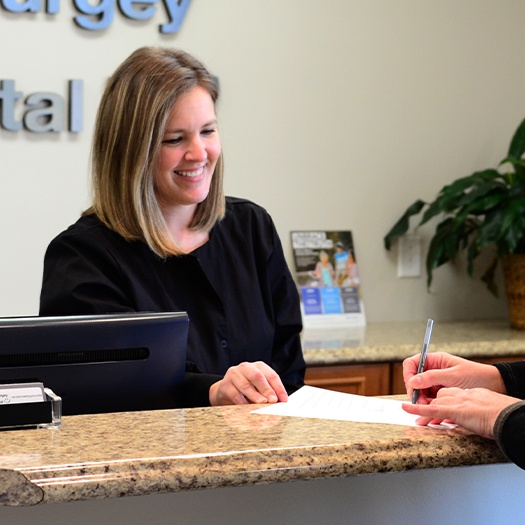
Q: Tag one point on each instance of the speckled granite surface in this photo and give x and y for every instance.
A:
(113, 455)
(394, 341)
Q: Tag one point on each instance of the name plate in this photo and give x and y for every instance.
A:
(17, 393)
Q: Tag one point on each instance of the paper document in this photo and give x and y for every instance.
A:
(319, 403)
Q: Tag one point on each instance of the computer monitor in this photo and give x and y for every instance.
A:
(99, 363)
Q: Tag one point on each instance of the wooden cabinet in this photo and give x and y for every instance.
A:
(371, 379)
(363, 379)
(397, 384)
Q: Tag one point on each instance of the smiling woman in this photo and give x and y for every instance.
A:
(188, 156)
(142, 117)
(160, 236)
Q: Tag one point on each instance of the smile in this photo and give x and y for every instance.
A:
(191, 174)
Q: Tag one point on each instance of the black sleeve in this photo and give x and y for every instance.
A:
(509, 432)
(196, 388)
(513, 375)
(287, 349)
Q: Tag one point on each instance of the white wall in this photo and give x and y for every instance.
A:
(334, 115)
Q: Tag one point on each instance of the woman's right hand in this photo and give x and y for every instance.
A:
(248, 383)
(446, 370)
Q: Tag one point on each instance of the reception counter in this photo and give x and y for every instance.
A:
(113, 455)
(228, 465)
(379, 342)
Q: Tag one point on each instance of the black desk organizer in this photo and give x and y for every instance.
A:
(43, 414)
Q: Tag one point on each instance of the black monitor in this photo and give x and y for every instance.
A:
(99, 363)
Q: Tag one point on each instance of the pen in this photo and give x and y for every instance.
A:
(423, 356)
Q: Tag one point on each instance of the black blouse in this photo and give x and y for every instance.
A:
(238, 292)
(509, 430)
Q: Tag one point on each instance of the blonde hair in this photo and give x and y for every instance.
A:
(130, 124)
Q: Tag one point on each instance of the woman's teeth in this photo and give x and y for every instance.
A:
(193, 173)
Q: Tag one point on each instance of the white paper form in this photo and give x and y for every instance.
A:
(313, 402)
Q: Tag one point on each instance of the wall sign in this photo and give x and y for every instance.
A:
(42, 112)
(100, 16)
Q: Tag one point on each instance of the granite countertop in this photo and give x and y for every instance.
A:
(380, 342)
(114, 455)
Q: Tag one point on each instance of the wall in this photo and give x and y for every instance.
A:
(334, 115)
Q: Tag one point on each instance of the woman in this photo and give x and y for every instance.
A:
(160, 236)
(485, 399)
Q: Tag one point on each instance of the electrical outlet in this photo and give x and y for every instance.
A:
(409, 256)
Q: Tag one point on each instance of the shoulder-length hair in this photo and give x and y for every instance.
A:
(127, 138)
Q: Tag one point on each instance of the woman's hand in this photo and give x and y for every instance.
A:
(248, 383)
(445, 370)
(475, 409)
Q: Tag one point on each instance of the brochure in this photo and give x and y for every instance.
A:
(327, 278)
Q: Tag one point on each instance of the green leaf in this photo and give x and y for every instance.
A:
(472, 253)
(402, 225)
(512, 219)
(443, 246)
(489, 231)
(462, 184)
(517, 144)
(442, 204)
(481, 205)
(455, 195)
(488, 276)
(518, 167)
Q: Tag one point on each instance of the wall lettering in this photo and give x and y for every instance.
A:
(31, 6)
(100, 16)
(42, 112)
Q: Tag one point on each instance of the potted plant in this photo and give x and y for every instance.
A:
(485, 209)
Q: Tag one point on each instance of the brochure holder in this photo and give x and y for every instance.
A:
(41, 414)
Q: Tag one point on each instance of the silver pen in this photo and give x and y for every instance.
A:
(423, 356)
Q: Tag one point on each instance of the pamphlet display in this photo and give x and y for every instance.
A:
(327, 278)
